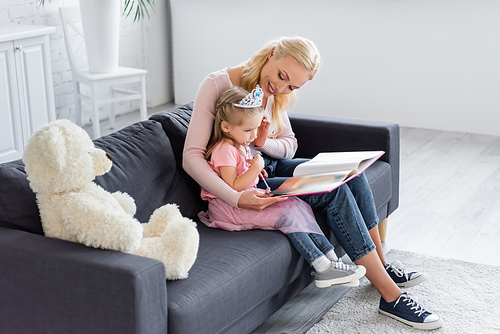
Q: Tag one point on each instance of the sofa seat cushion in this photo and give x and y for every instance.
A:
(175, 124)
(233, 274)
(18, 208)
(144, 166)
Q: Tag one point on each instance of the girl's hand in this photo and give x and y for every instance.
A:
(256, 200)
(262, 132)
(257, 161)
(263, 176)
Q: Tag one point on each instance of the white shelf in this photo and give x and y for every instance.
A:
(15, 31)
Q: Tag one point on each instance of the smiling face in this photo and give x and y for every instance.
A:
(245, 132)
(282, 76)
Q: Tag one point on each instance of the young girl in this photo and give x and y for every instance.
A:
(238, 116)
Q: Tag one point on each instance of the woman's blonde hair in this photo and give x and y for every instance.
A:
(302, 49)
(225, 110)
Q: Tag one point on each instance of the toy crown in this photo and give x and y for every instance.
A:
(252, 100)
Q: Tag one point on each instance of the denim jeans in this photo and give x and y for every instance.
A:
(350, 209)
(310, 245)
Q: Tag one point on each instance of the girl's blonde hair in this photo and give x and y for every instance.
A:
(225, 110)
(302, 49)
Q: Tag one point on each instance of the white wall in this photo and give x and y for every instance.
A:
(142, 45)
(157, 55)
(428, 64)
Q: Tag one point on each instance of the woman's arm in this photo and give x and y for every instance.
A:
(284, 145)
(198, 135)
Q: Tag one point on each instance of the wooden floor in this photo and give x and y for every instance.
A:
(449, 193)
(449, 196)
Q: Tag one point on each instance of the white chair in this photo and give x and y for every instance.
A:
(75, 42)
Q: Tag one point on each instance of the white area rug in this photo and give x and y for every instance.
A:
(466, 295)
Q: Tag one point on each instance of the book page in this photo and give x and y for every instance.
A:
(337, 161)
(354, 164)
(363, 165)
(310, 184)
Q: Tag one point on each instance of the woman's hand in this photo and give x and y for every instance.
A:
(256, 200)
(262, 132)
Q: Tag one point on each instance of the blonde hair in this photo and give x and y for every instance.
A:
(302, 49)
(225, 110)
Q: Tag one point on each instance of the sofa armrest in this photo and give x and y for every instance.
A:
(317, 134)
(54, 286)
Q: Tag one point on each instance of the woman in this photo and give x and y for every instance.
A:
(280, 68)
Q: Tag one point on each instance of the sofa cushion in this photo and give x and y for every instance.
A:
(237, 277)
(175, 124)
(144, 166)
(18, 208)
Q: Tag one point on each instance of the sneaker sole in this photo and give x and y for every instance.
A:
(360, 272)
(418, 325)
(413, 282)
(352, 284)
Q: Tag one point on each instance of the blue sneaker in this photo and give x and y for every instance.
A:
(410, 312)
(402, 278)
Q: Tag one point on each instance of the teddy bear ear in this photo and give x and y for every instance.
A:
(54, 150)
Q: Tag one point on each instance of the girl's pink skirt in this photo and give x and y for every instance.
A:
(289, 216)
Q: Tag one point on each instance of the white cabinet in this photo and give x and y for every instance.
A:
(26, 88)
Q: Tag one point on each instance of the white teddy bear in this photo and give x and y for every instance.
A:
(61, 162)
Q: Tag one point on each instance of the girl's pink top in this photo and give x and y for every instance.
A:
(225, 154)
(282, 146)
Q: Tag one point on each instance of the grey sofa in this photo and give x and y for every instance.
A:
(238, 280)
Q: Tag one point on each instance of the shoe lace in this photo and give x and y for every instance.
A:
(398, 269)
(339, 265)
(412, 303)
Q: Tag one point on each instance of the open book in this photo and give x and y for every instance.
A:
(326, 171)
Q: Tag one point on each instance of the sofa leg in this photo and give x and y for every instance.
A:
(382, 230)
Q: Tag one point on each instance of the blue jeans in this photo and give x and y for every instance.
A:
(310, 245)
(350, 209)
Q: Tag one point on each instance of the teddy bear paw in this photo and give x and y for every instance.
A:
(160, 218)
(176, 247)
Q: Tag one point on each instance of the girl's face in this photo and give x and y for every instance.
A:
(246, 132)
(282, 76)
